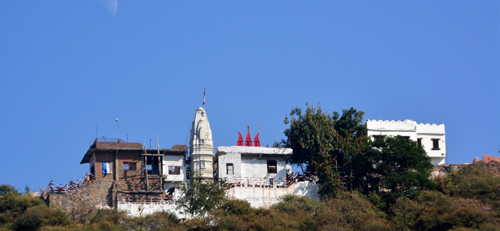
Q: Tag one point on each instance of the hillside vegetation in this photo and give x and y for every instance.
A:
(466, 200)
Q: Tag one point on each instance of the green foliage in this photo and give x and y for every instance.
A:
(36, 217)
(271, 219)
(13, 204)
(443, 212)
(396, 165)
(236, 207)
(309, 135)
(291, 213)
(293, 203)
(84, 213)
(201, 195)
(7, 189)
(435, 211)
(473, 181)
(157, 221)
(349, 211)
(24, 212)
(325, 143)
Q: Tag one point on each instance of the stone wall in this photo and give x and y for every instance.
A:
(143, 209)
(98, 194)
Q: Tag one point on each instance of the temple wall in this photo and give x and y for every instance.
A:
(264, 197)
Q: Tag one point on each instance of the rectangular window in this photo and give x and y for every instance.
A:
(202, 164)
(419, 141)
(271, 166)
(435, 144)
(128, 166)
(152, 165)
(229, 169)
(174, 170)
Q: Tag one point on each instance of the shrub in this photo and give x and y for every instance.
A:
(13, 204)
(35, 217)
(237, 207)
(404, 213)
(155, 221)
(197, 224)
(230, 222)
(350, 211)
(442, 212)
(473, 181)
(292, 203)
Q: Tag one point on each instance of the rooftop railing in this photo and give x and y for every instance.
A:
(104, 139)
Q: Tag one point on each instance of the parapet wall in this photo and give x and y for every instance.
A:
(265, 197)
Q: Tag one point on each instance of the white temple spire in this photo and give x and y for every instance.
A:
(202, 147)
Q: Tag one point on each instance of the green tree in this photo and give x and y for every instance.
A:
(8, 189)
(309, 135)
(201, 195)
(13, 204)
(325, 143)
(396, 165)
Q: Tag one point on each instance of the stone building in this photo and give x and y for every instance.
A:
(136, 173)
(431, 136)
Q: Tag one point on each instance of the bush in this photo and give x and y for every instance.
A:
(35, 217)
(156, 221)
(230, 222)
(13, 204)
(474, 182)
(6, 189)
(441, 212)
(292, 203)
(350, 211)
(197, 224)
(404, 213)
(237, 207)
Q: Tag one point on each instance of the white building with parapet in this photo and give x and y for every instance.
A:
(259, 175)
(252, 165)
(431, 136)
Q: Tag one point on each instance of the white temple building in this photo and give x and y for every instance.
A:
(431, 136)
(201, 145)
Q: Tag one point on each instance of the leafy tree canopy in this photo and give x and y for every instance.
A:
(325, 142)
(201, 195)
(395, 164)
(317, 136)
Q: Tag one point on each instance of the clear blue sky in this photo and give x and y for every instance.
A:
(67, 65)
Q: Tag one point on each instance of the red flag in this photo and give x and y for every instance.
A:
(248, 140)
(203, 96)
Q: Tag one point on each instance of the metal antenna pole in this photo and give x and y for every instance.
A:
(117, 130)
